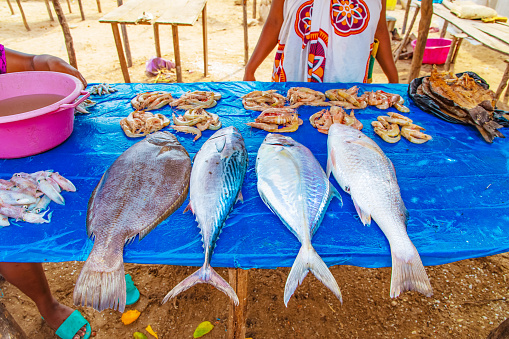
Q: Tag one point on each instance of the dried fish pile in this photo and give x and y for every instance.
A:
(324, 119)
(195, 121)
(27, 196)
(272, 118)
(388, 128)
(196, 99)
(261, 100)
(462, 100)
(140, 123)
(151, 100)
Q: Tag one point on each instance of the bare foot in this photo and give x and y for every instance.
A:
(56, 313)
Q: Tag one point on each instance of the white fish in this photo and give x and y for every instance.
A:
(363, 170)
(294, 186)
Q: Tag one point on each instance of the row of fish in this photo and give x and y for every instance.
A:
(291, 183)
(26, 196)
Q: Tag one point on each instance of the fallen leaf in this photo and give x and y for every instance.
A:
(130, 316)
(202, 329)
(139, 335)
(151, 331)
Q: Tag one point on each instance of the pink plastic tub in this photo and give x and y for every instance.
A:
(39, 130)
(436, 50)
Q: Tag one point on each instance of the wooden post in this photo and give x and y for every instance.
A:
(246, 42)
(407, 10)
(156, 40)
(237, 317)
(120, 51)
(503, 82)
(81, 10)
(407, 35)
(69, 5)
(99, 6)
(254, 9)
(9, 328)
(126, 40)
(444, 29)
(10, 7)
(205, 41)
(49, 10)
(451, 52)
(67, 34)
(426, 14)
(176, 48)
(23, 15)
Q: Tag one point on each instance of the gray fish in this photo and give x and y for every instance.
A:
(147, 183)
(363, 170)
(294, 186)
(216, 180)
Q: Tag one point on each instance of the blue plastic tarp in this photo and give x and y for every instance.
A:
(456, 188)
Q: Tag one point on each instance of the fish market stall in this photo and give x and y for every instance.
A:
(455, 187)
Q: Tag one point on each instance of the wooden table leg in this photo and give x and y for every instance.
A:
(407, 10)
(422, 37)
(69, 5)
(444, 29)
(23, 15)
(126, 40)
(156, 40)
(205, 42)
(67, 33)
(451, 52)
(10, 7)
(246, 42)
(176, 48)
(254, 9)
(457, 39)
(407, 35)
(503, 82)
(237, 318)
(99, 6)
(81, 10)
(48, 8)
(120, 51)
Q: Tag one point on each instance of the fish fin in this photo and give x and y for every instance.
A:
(367, 145)
(205, 275)
(188, 208)
(308, 260)
(408, 274)
(240, 197)
(365, 217)
(335, 193)
(220, 144)
(101, 286)
(330, 163)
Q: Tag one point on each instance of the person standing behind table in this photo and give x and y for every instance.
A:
(324, 41)
(30, 278)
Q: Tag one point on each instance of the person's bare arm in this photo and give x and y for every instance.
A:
(19, 62)
(267, 40)
(384, 54)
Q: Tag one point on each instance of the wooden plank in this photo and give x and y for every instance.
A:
(237, 315)
(182, 12)
(467, 27)
(120, 51)
(497, 31)
(422, 37)
(156, 40)
(176, 48)
(129, 12)
(125, 39)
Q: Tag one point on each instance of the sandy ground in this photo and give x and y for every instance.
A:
(470, 296)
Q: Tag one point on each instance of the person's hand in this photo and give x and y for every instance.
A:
(58, 65)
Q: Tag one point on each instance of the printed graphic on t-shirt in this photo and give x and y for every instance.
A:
(349, 17)
(316, 57)
(278, 73)
(303, 21)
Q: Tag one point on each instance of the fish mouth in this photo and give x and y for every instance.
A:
(278, 140)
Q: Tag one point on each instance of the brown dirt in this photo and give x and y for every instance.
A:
(470, 296)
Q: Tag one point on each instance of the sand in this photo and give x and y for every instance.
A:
(470, 296)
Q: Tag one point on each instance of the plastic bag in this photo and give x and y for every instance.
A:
(155, 63)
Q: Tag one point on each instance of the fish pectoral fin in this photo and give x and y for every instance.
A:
(240, 197)
(330, 163)
(220, 144)
(365, 217)
(366, 145)
(188, 208)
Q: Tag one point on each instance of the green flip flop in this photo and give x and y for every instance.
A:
(72, 325)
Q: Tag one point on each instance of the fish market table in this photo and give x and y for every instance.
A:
(164, 12)
(455, 187)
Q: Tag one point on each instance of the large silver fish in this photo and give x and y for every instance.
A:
(147, 183)
(363, 170)
(218, 172)
(294, 186)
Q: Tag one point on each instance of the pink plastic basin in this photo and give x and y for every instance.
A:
(39, 130)
(436, 50)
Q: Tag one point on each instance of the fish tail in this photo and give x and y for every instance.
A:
(205, 275)
(308, 260)
(101, 286)
(408, 273)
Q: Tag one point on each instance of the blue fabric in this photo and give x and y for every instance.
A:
(456, 188)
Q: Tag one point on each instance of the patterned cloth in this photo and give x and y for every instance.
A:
(326, 40)
(3, 62)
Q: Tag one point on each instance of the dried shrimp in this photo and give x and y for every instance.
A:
(151, 100)
(196, 99)
(199, 118)
(299, 96)
(140, 123)
(261, 100)
(271, 119)
(388, 128)
(324, 119)
(346, 98)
